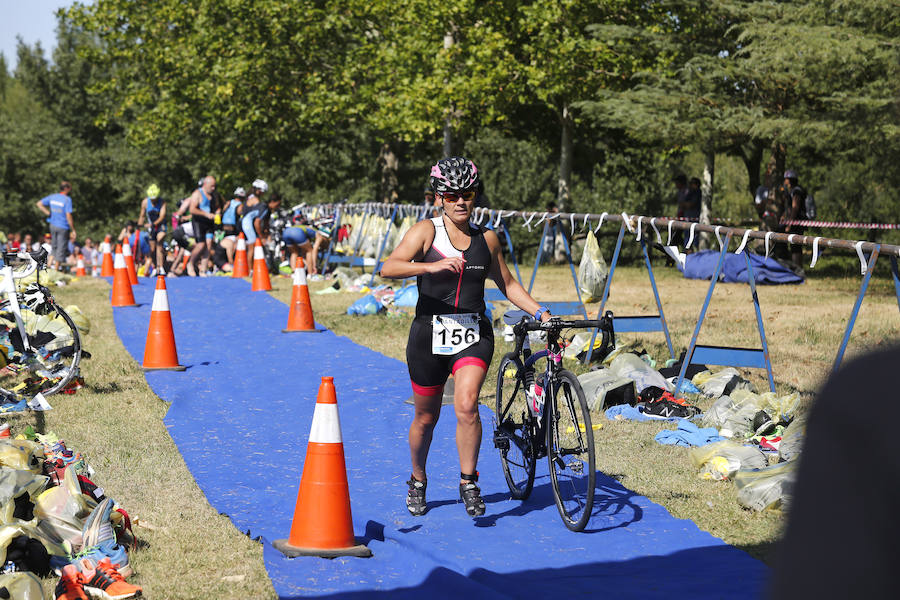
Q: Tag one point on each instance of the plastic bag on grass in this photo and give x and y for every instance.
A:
(631, 366)
(602, 388)
(407, 296)
(792, 439)
(367, 305)
(81, 322)
(768, 488)
(62, 510)
(23, 455)
(721, 460)
(733, 415)
(592, 271)
(22, 585)
(13, 484)
(720, 383)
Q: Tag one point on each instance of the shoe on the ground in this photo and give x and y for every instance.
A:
(71, 585)
(415, 497)
(98, 528)
(103, 580)
(471, 496)
(111, 550)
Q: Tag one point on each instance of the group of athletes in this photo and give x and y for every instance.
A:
(205, 228)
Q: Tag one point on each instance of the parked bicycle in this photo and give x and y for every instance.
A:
(40, 346)
(546, 414)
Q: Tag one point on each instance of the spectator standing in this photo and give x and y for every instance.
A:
(90, 253)
(794, 210)
(58, 208)
(681, 192)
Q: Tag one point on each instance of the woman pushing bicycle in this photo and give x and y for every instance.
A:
(451, 258)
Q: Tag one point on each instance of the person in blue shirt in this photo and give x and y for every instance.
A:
(153, 213)
(58, 207)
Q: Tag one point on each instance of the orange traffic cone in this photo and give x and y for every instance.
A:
(261, 281)
(240, 258)
(323, 525)
(107, 269)
(129, 262)
(159, 351)
(121, 289)
(79, 267)
(300, 317)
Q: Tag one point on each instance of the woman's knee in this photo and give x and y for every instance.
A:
(465, 405)
(426, 419)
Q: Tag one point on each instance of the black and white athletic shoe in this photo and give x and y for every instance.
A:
(415, 497)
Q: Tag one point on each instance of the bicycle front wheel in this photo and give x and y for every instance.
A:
(47, 359)
(514, 436)
(570, 451)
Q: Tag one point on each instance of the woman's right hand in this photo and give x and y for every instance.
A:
(454, 264)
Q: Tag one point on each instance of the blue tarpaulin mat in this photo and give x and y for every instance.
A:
(702, 265)
(241, 413)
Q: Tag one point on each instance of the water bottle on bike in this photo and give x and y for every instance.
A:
(534, 391)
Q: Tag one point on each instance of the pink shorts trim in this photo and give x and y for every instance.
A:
(427, 390)
(469, 360)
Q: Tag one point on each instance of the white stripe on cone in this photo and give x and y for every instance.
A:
(119, 262)
(80, 264)
(105, 249)
(258, 253)
(299, 276)
(126, 249)
(242, 244)
(160, 301)
(326, 426)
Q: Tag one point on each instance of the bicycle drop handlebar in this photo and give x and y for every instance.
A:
(36, 260)
(555, 325)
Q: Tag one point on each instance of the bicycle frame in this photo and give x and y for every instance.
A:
(8, 289)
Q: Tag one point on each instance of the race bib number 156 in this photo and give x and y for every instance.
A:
(454, 333)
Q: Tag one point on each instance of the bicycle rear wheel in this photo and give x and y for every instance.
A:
(570, 451)
(51, 357)
(514, 436)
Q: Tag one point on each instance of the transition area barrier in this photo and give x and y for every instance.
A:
(371, 216)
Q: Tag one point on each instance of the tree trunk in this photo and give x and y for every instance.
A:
(565, 159)
(775, 165)
(751, 154)
(706, 189)
(390, 165)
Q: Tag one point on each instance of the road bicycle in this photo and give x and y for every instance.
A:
(40, 347)
(546, 414)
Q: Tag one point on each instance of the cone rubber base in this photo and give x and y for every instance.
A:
(360, 550)
(316, 330)
(175, 368)
(122, 305)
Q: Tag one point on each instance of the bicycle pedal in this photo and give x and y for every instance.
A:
(501, 440)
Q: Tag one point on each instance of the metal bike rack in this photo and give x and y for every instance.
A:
(728, 355)
(632, 324)
(558, 308)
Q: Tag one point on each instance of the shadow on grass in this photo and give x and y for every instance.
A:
(764, 551)
(107, 388)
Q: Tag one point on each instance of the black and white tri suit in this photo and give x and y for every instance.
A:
(446, 293)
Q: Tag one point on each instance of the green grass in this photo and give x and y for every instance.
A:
(190, 551)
